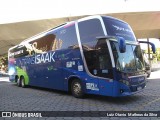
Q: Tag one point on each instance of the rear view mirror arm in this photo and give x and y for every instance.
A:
(152, 45)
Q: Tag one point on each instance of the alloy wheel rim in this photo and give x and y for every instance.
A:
(77, 88)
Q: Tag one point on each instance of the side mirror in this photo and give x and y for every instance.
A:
(152, 45)
(122, 44)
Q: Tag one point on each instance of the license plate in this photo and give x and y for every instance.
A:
(139, 88)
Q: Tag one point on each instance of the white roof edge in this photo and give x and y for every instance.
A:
(99, 16)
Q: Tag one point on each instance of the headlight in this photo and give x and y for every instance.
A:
(125, 82)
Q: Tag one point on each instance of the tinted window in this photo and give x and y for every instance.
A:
(139, 58)
(66, 38)
(89, 30)
(98, 60)
(41, 45)
(62, 38)
(18, 52)
(118, 28)
(96, 52)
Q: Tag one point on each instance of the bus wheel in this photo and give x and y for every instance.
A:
(18, 82)
(23, 82)
(76, 89)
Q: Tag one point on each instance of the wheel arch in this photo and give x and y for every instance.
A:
(16, 78)
(21, 76)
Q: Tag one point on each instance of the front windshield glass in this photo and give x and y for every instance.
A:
(130, 61)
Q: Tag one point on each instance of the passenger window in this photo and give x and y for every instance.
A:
(89, 30)
(66, 38)
(41, 45)
(19, 51)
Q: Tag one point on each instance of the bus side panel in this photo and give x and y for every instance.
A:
(35, 73)
(106, 87)
(72, 65)
(92, 86)
(52, 75)
(45, 71)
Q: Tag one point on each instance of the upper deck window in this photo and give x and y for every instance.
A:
(66, 37)
(89, 30)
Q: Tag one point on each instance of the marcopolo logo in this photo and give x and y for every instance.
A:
(121, 28)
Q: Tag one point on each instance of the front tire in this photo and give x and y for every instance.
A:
(76, 89)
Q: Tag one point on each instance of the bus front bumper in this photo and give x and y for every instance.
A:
(133, 89)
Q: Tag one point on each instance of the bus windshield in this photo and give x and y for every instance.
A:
(130, 61)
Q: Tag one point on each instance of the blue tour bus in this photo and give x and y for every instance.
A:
(93, 55)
